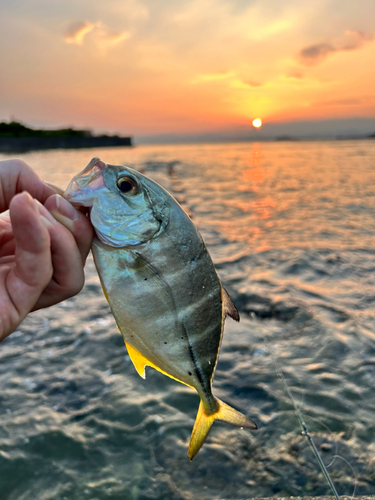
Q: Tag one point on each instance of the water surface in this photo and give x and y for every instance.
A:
(291, 229)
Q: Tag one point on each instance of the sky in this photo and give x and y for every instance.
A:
(159, 67)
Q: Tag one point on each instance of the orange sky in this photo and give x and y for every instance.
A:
(187, 66)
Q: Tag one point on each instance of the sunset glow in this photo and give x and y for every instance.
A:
(142, 67)
(257, 123)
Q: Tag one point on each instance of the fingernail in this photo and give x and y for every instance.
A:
(44, 213)
(46, 221)
(28, 197)
(66, 209)
(57, 189)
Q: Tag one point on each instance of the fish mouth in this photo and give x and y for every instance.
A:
(83, 188)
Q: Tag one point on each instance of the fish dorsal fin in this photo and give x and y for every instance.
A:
(229, 308)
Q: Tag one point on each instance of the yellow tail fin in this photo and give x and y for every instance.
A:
(203, 423)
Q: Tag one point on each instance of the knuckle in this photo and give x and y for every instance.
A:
(73, 288)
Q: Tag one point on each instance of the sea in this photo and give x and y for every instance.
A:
(290, 227)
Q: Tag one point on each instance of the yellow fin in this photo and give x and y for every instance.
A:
(203, 424)
(140, 362)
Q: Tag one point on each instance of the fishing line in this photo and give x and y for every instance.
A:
(350, 466)
(304, 430)
(336, 455)
(323, 424)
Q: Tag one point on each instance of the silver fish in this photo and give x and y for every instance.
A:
(160, 283)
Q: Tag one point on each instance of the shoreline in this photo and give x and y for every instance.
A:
(25, 144)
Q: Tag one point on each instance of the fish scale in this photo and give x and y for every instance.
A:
(160, 283)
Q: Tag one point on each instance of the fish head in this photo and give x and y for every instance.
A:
(126, 208)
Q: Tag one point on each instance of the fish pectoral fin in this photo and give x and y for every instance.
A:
(204, 421)
(229, 308)
(139, 361)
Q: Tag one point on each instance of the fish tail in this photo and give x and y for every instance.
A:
(204, 421)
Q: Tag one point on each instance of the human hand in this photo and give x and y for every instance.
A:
(44, 243)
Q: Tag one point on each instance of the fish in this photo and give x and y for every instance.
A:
(160, 283)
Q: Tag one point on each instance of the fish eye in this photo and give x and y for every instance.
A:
(127, 185)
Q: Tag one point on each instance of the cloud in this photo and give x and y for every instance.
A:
(76, 32)
(212, 77)
(315, 53)
(229, 78)
(352, 40)
(295, 73)
(104, 37)
(357, 101)
(110, 39)
(355, 39)
(242, 84)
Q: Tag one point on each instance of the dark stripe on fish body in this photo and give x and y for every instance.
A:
(198, 372)
(203, 322)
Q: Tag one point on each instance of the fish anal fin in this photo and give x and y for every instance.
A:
(139, 361)
(204, 421)
(229, 308)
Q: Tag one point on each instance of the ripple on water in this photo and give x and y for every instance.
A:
(296, 251)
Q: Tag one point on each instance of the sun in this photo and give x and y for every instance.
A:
(257, 123)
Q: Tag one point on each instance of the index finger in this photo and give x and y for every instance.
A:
(15, 177)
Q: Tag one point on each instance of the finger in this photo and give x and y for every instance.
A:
(77, 222)
(33, 266)
(7, 243)
(56, 189)
(67, 259)
(15, 177)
